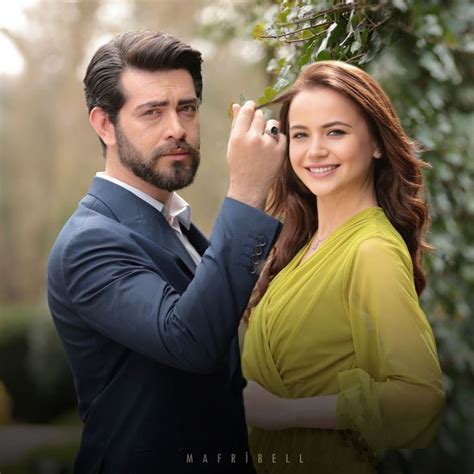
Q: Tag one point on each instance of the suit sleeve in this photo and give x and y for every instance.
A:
(115, 289)
(394, 398)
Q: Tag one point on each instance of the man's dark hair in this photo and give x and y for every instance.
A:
(147, 50)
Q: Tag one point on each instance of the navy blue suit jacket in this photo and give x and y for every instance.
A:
(150, 337)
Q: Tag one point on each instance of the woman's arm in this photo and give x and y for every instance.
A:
(270, 412)
(394, 398)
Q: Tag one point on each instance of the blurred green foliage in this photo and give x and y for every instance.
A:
(422, 52)
(33, 366)
(5, 405)
(46, 459)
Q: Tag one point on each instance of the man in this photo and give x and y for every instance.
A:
(146, 308)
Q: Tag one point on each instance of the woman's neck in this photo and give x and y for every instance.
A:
(334, 211)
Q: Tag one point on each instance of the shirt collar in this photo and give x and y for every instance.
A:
(176, 206)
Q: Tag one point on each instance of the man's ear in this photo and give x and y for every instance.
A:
(99, 119)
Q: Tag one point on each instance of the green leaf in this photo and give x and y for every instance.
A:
(349, 27)
(431, 26)
(431, 63)
(281, 83)
(269, 93)
(448, 63)
(355, 46)
(324, 55)
(400, 5)
(285, 71)
(306, 54)
(363, 37)
(331, 28)
(325, 41)
(258, 31)
(375, 41)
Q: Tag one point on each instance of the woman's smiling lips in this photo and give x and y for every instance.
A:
(321, 170)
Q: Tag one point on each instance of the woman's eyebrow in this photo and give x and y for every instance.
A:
(336, 122)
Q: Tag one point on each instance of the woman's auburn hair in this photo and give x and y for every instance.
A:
(398, 179)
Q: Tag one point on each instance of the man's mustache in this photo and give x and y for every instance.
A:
(176, 146)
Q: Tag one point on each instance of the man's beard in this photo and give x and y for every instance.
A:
(178, 176)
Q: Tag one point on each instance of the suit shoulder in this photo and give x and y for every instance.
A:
(86, 226)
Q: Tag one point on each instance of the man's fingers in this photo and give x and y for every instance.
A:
(244, 117)
(235, 112)
(258, 123)
(282, 143)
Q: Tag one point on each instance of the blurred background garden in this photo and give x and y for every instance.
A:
(422, 51)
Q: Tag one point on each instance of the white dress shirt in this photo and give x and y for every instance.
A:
(176, 211)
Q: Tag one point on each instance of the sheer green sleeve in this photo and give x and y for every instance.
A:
(394, 398)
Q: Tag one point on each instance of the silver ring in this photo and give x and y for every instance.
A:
(273, 132)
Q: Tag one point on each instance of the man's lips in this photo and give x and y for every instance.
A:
(177, 155)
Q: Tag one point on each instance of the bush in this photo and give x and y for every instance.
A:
(47, 459)
(5, 406)
(33, 365)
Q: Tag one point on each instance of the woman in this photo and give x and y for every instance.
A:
(340, 358)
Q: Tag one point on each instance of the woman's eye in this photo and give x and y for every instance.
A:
(299, 135)
(336, 133)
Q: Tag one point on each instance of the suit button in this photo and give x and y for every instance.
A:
(255, 259)
(258, 250)
(262, 240)
(252, 269)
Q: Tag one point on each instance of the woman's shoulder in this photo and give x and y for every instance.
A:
(380, 240)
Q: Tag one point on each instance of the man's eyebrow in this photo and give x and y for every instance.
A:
(163, 103)
(152, 103)
(190, 100)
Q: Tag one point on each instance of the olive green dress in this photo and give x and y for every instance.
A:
(347, 321)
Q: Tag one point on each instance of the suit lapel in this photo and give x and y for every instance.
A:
(197, 239)
(127, 208)
(141, 217)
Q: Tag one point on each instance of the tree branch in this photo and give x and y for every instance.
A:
(336, 9)
(299, 30)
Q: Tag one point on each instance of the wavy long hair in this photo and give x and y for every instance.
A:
(398, 179)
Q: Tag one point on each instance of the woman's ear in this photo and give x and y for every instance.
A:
(102, 125)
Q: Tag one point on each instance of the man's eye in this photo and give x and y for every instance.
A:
(189, 108)
(336, 133)
(151, 112)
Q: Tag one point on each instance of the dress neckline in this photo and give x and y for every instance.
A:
(358, 216)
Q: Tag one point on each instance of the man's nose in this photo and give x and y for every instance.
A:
(174, 127)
